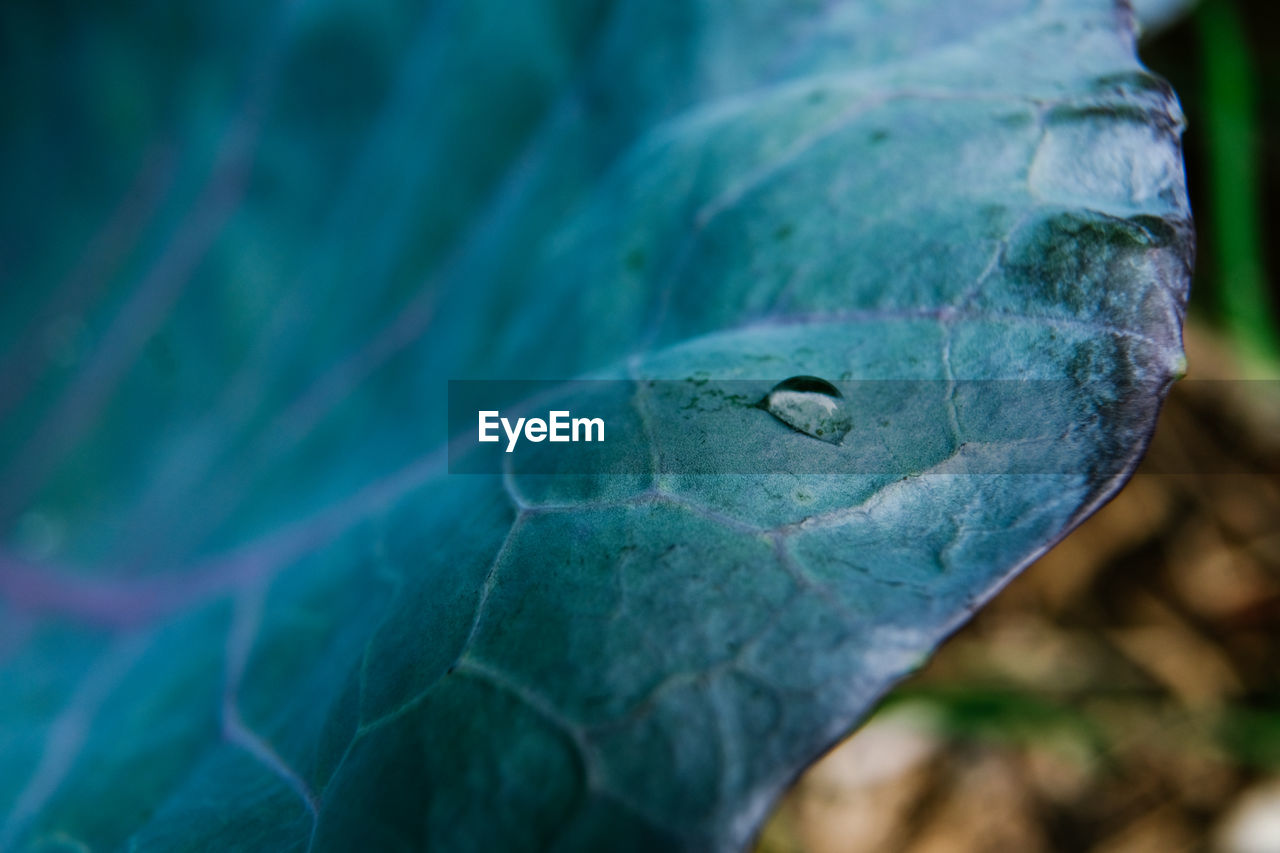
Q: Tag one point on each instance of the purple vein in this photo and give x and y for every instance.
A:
(304, 414)
(245, 623)
(128, 602)
(298, 420)
(82, 286)
(67, 734)
(88, 393)
(240, 399)
(300, 417)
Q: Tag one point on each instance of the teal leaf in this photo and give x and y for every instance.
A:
(244, 604)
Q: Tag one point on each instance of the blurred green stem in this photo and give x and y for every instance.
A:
(1230, 117)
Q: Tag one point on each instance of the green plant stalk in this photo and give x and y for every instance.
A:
(1231, 130)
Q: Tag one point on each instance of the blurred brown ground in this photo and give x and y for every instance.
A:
(1121, 696)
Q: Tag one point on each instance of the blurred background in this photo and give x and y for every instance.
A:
(1123, 694)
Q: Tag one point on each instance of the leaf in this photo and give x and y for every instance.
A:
(242, 602)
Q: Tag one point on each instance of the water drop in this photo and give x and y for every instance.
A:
(811, 405)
